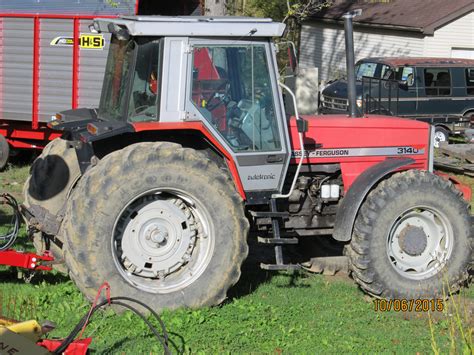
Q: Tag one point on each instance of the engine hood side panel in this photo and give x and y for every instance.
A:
(358, 143)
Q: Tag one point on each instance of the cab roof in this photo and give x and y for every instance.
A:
(421, 61)
(193, 26)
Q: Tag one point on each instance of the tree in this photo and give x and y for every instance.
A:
(292, 12)
(215, 7)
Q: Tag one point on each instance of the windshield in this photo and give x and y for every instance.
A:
(114, 91)
(142, 105)
(372, 70)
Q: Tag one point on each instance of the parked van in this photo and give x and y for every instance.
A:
(435, 90)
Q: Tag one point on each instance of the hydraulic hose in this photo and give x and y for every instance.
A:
(163, 339)
(7, 239)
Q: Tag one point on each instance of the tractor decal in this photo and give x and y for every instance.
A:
(86, 41)
(359, 152)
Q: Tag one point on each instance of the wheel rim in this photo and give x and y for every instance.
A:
(420, 242)
(439, 137)
(162, 241)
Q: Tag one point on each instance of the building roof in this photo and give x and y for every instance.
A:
(82, 7)
(421, 61)
(412, 15)
(192, 26)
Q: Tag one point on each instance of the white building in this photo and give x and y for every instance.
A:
(416, 28)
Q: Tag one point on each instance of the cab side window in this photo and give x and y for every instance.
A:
(470, 81)
(437, 82)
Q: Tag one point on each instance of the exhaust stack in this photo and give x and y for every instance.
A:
(350, 65)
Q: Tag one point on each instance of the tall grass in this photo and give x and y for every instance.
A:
(456, 321)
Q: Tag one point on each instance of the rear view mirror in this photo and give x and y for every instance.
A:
(292, 59)
(403, 84)
(293, 62)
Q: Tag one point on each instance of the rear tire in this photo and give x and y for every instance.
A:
(52, 178)
(131, 214)
(412, 238)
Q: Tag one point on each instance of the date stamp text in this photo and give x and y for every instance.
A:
(409, 305)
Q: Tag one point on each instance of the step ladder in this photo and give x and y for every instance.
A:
(277, 240)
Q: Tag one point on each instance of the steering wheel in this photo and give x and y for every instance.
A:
(220, 102)
(140, 109)
(221, 99)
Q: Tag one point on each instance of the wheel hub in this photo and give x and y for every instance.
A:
(419, 242)
(158, 235)
(158, 239)
(413, 240)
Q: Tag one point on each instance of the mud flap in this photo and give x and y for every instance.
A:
(349, 206)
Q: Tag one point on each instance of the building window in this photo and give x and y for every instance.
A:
(470, 81)
(437, 82)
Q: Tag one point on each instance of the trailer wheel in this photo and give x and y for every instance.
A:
(412, 238)
(441, 135)
(4, 152)
(161, 223)
(52, 177)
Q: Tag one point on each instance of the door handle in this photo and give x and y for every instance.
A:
(274, 159)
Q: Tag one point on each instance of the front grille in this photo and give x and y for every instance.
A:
(334, 103)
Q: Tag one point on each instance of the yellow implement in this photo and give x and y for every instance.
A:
(20, 337)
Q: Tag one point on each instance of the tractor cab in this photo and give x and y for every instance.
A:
(228, 85)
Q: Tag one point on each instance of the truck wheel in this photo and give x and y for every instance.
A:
(52, 177)
(412, 238)
(4, 152)
(441, 135)
(160, 223)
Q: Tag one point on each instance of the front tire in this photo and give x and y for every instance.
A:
(161, 223)
(412, 238)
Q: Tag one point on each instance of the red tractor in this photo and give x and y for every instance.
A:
(156, 191)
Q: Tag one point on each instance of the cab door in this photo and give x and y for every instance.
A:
(233, 90)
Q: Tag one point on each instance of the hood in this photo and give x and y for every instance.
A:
(339, 89)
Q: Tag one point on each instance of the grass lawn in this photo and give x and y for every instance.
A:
(265, 313)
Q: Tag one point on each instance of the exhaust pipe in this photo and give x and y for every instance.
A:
(350, 61)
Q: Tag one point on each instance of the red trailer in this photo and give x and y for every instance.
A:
(50, 61)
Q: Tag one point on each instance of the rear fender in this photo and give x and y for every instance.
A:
(196, 126)
(350, 205)
(102, 134)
